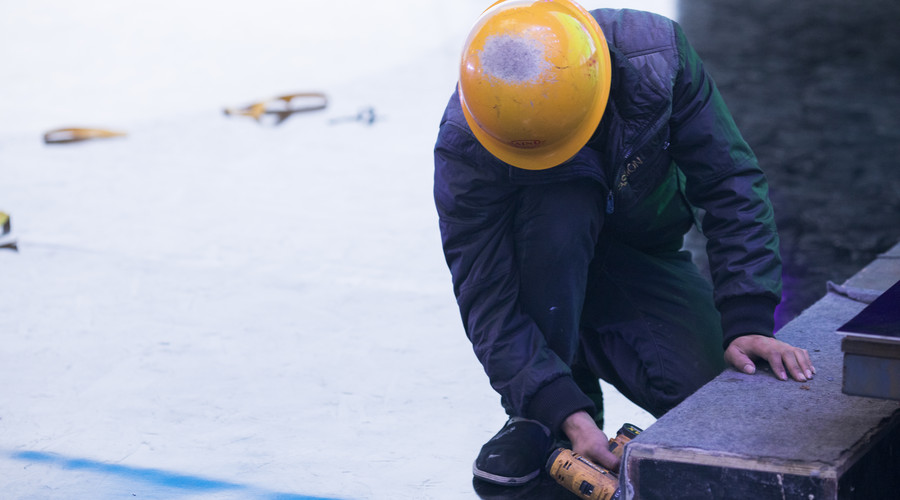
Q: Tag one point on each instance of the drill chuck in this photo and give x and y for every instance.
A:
(625, 434)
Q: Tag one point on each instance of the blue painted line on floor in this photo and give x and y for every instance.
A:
(156, 477)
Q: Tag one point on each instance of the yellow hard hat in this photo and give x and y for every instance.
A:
(534, 80)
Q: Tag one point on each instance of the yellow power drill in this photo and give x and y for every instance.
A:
(585, 478)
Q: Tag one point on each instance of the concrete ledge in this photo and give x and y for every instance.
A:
(755, 437)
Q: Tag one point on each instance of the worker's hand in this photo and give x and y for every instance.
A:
(589, 441)
(782, 357)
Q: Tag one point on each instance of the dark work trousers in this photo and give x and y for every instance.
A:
(641, 318)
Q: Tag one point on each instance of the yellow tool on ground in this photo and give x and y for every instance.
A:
(76, 134)
(5, 228)
(282, 106)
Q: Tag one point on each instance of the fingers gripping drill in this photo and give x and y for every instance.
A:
(586, 479)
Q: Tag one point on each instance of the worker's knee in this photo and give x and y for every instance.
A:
(664, 394)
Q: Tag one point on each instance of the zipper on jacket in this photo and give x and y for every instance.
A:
(611, 195)
(641, 142)
(613, 182)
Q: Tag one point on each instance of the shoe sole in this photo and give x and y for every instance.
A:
(503, 480)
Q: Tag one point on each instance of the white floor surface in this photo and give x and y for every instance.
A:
(214, 308)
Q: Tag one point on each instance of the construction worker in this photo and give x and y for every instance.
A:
(577, 151)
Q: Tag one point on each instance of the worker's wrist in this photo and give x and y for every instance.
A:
(731, 339)
(579, 425)
(557, 400)
(747, 315)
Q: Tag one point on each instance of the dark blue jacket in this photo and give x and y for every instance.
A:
(666, 150)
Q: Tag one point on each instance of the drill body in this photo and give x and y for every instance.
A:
(585, 478)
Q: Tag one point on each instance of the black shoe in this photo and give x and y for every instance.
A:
(515, 455)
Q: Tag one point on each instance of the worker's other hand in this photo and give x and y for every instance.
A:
(782, 357)
(589, 441)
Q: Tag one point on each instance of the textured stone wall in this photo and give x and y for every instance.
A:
(815, 88)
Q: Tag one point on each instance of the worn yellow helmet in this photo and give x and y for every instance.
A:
(534, 80)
